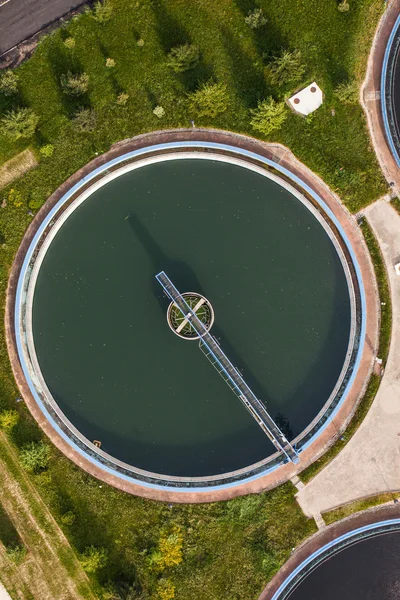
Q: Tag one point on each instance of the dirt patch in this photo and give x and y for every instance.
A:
(16, 167)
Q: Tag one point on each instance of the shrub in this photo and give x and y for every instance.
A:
(122, 99)
(19, 123)
(110, 63)
(8, 419)
(35, 456)
(268, 115)
(183, 58)
(8, 83)
(166, 589)
(75, 85)
(15, 197)
(35, 201)
(347, 92)
(69, 42)
(93, 559)
(343, 6)
(255, 19)
(84, 120)
(210, 100)
(169, 551)
(68, 518)
(102, 11)
(47, 150)
(16, 554)
(140, 43)
(159, 111)
(286, 68)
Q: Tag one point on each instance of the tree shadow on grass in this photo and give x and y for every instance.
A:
(268, 38)
(61, 63)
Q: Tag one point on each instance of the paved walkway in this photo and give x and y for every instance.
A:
(370, 462)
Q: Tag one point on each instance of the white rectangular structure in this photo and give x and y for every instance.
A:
(307, 100)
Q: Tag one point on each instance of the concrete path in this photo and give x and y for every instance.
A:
(370, 462)
(20, 19)
(3, 593)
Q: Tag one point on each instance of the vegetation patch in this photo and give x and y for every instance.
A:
(8, 534)
(384, 342)
(354, 507)
(16, 167)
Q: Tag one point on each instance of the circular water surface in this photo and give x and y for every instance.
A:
(108, 356)
(368, 570)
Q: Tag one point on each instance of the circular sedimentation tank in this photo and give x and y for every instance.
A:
(102, 362)
(360, 565)
(390, 91)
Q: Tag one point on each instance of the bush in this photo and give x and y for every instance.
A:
(15, 198)
(21, 123)
(35, 456)
(183, 58)
(140, 43)
(8, 83)
(8, 419)
(16, 554)
(255, 19)
(159, 111)
(68, 518)
(166, 589)
(85, 120)
(348, 92)
(286, 68)
(93, 559)
(110, 63)
(47, 150)
(122, 99)
(343, 6)
(69, 42)
(102, 11)
(75, 85)
(268, 115)
(210, 100)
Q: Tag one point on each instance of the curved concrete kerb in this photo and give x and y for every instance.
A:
(132, 155)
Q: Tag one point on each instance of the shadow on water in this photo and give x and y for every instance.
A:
(185, 279)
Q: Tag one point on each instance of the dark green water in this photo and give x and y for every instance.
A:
(277, 286)
(369, 570)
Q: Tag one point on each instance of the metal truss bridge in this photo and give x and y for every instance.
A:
(212, 350)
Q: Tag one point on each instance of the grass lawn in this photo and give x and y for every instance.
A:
(229, 550)
(353, 507)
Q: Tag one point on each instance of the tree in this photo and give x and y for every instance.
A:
(183, 58)
(75, 85)
(8, 83)
(343, 6)
(68, 518)
(286, 67)
(84, 120)
(210, 100)
(35, 456)
(347, 92)
(93, 559)
(19, 123)
(268, 115)
(255, 19)
(159, 111)
(8, 419)
(47, 150)
(102, 11)
(69, 43)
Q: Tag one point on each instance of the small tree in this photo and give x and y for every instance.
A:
(102, 11)
(47, 150)
(93, 559)
(35, 456)
(159, 111)
(8, 419)
(268, 115)
(287, 67)
(255, 19)
(69, 43)
(68, 518)
(8, 83)
(122, 99)
(183, 58)
(343, 6)
(210, 100)
(347, 92)
(85, 120)
(75, 85)
(110, 63)
(19, 123)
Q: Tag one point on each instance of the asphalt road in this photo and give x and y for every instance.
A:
(19, 19)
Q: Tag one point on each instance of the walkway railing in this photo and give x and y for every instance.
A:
(212, 350)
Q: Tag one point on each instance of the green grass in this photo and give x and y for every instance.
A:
(384, 343)
(396, 203)
(230, 549)
(353, 507)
